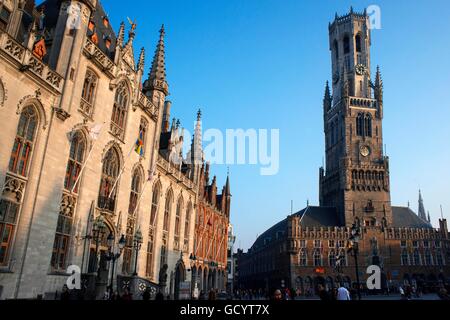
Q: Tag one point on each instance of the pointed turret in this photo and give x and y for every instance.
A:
(121, 35)
(378, 91)
(141, 62)
(197, 143)
(227, 185)
(421, 211)
(327, 99)
(157, 76)
(429, 218)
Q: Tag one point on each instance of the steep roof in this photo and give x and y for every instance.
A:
(51, 11)
(103, 32)
(403, 217)
(319, 217)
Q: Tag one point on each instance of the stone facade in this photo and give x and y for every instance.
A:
(310, 247)
(86, 147)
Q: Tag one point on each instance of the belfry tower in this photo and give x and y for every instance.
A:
(356, 177)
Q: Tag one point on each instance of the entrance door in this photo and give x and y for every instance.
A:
(179, 278)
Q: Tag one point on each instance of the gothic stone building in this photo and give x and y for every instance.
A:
(302, 250)
(87, 157)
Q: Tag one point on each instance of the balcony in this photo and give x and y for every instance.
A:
(28, 62)
(363, 102)
(107, 204)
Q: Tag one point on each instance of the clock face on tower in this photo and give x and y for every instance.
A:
(365, 151)
(360, 69)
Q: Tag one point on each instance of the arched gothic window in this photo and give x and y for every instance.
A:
(24, 142)
(303, 257)
(332, 258)
(178, 224)
(135, 192)
(155, 203)
(120, 109)
(187, 225)
(428, 258)
(439, 258)
(75, 163)
(359, 124)
(346, 45)
(358, 42)
(88, 93)
(5, 15)
(416, 257)
(317, 258)
(336, 49)
(167, 210)
(110, 172)
(342, 258)
(405, 257)
(368, 125)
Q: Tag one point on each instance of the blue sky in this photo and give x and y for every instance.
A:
(264, 63)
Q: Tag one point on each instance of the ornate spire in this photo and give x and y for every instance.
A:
(421, 212)
(157, 75)
(327, 98)
(378, 86)
(429, 218)
(227, 184)
(197, 150)
(141, 62)
(121, 36)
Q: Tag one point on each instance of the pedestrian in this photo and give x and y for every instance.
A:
(159, 296)
(65, 294)
(212, 295)
(277, 295)
(127, 295)
(443, 294)
(146, 295)
(343, 294)
(323, 293)
(333, 295)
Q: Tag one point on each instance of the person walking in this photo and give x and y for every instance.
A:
(323, 293)
(65, 294)
(277, 295)
(343, 294)
(146, 295)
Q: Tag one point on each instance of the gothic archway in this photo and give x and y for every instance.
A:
(180, 276)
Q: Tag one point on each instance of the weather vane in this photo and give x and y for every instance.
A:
(133, 24)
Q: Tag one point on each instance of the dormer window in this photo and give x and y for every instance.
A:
(5, 15)
(106, 22)
(94, 38)
(108, 43)
(91, 26)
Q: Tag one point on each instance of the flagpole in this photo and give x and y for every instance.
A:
(87, 159)
(121, 172)
(82, 169)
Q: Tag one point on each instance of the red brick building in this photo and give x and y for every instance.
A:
(211, 234)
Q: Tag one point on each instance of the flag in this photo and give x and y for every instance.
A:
(95, 130)
(139, 145)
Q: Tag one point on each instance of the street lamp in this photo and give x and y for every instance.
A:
(354, 250)
(137, 243)
(113, 256)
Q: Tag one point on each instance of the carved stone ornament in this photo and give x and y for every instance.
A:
(13, 188)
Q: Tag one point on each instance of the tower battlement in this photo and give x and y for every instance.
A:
(352, 15)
